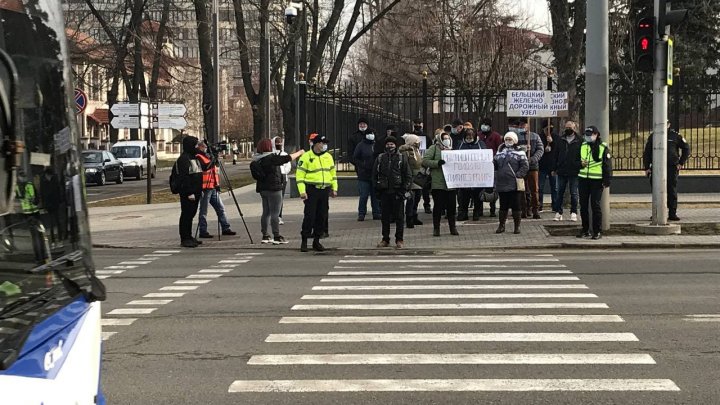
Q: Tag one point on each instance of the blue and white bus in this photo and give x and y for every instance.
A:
(50, 335)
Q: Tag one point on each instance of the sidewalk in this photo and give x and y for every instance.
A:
(156, 226)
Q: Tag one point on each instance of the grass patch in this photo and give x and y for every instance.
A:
(163, 163)
(163, 195)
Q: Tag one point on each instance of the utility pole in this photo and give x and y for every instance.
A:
(268, 82)
(597, 82)
(215, 136)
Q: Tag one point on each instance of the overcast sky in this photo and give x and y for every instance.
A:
(538, 13)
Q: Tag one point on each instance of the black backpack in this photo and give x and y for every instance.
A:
(257, 171)
(175, 180)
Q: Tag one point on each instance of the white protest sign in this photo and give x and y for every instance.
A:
(468, 168)
(536, 103)
(423, 143)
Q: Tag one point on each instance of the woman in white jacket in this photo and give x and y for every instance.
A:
(285, 169)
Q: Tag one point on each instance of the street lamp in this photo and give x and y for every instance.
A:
(291, 17)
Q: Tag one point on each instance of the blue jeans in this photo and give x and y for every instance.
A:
(365, 189)
(553, 187)
(212, 197)
(563, 183)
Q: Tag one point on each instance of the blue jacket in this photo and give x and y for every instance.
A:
(510, 164)
(363, 158)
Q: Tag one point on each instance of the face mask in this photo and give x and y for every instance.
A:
(521, 131)
(453, 131)
(324, 148)
(446, 143)
(469, 140)
(509, 144)
(418, 127)
(362, 128)
(390, 149)
(370, 137)
(278, 147)
(485, 128)
(590, 138)
(569, 132)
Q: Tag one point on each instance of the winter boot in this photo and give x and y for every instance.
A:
(503, 218)
(416, 221)
(409, 223)
(516, 219)
(304, 245)
(536, 214)
(453, 226)
(317, 246)
(436, 226)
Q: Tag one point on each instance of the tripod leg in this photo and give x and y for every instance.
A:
(232, 193)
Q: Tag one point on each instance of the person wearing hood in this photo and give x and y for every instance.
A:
(595, 175)
(551, 141)
(211, 194)
(465, 195)
(271, 187)
(358, 137)
(511, 165)
(411, 149)
(492, 140)
(393, 178)
(285, 169)
(444, 199)
(316, 182)
(566, 167)
(534, 149)
(363, 158)
(456, 132)
(189, 171)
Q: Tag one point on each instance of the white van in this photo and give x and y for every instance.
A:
(133, 155)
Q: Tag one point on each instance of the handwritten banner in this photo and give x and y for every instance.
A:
(469, 168)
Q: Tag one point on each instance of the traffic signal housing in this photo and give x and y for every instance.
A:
(645, 45)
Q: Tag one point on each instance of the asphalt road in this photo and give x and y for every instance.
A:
(132, 186)
(232, 328)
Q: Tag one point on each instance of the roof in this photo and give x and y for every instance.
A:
(100, 115)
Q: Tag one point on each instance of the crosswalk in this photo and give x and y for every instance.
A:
(416, 313)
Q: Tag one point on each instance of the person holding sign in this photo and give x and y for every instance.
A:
(511, 166)
(594, 177)
(392, 177)
(534, 149)
(470, 142)
(444, 199)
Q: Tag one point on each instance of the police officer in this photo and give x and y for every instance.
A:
(678, 152)
(594, 177)
(316, 181)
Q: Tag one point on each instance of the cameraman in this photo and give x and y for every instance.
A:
(211, 192)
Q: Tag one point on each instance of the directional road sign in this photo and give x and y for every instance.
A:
(169, 122)
(130, 122)
(132, 109)
(173, 110)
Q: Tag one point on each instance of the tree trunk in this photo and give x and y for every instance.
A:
(206, 64)
(157, 60)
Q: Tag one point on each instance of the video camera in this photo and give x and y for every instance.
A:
(218, 148)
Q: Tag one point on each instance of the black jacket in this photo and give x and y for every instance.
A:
(548, 159)
(392, 173)
(190, 168)
(678, 150)
(355, 139)
(567, 157)
(274, 179)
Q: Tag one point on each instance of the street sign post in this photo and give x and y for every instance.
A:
(173, 110)
(161, 122)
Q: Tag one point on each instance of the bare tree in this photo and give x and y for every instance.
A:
(568, 23)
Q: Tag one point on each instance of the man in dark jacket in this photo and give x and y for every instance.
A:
(357, 138)
(392, 176)
(492, 140)
(470, 142)
(566, 167)
(456, 132)
(546, 163)
(678, 152)
(363, 158)
(190, 180)
(534, 148)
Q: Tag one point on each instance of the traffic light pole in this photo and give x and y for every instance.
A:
(660, 115)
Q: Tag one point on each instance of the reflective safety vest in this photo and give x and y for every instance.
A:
(594, 170)
(316, 170)
(26, 194)
(211, 179)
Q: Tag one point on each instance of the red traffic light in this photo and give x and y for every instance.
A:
(645, 44)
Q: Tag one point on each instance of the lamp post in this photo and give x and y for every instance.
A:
(291, 17)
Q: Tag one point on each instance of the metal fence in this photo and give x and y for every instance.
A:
(335, 112)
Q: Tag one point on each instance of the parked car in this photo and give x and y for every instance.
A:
(133, 155)
(101, 166)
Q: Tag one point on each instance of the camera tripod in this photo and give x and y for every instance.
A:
(214, 159)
